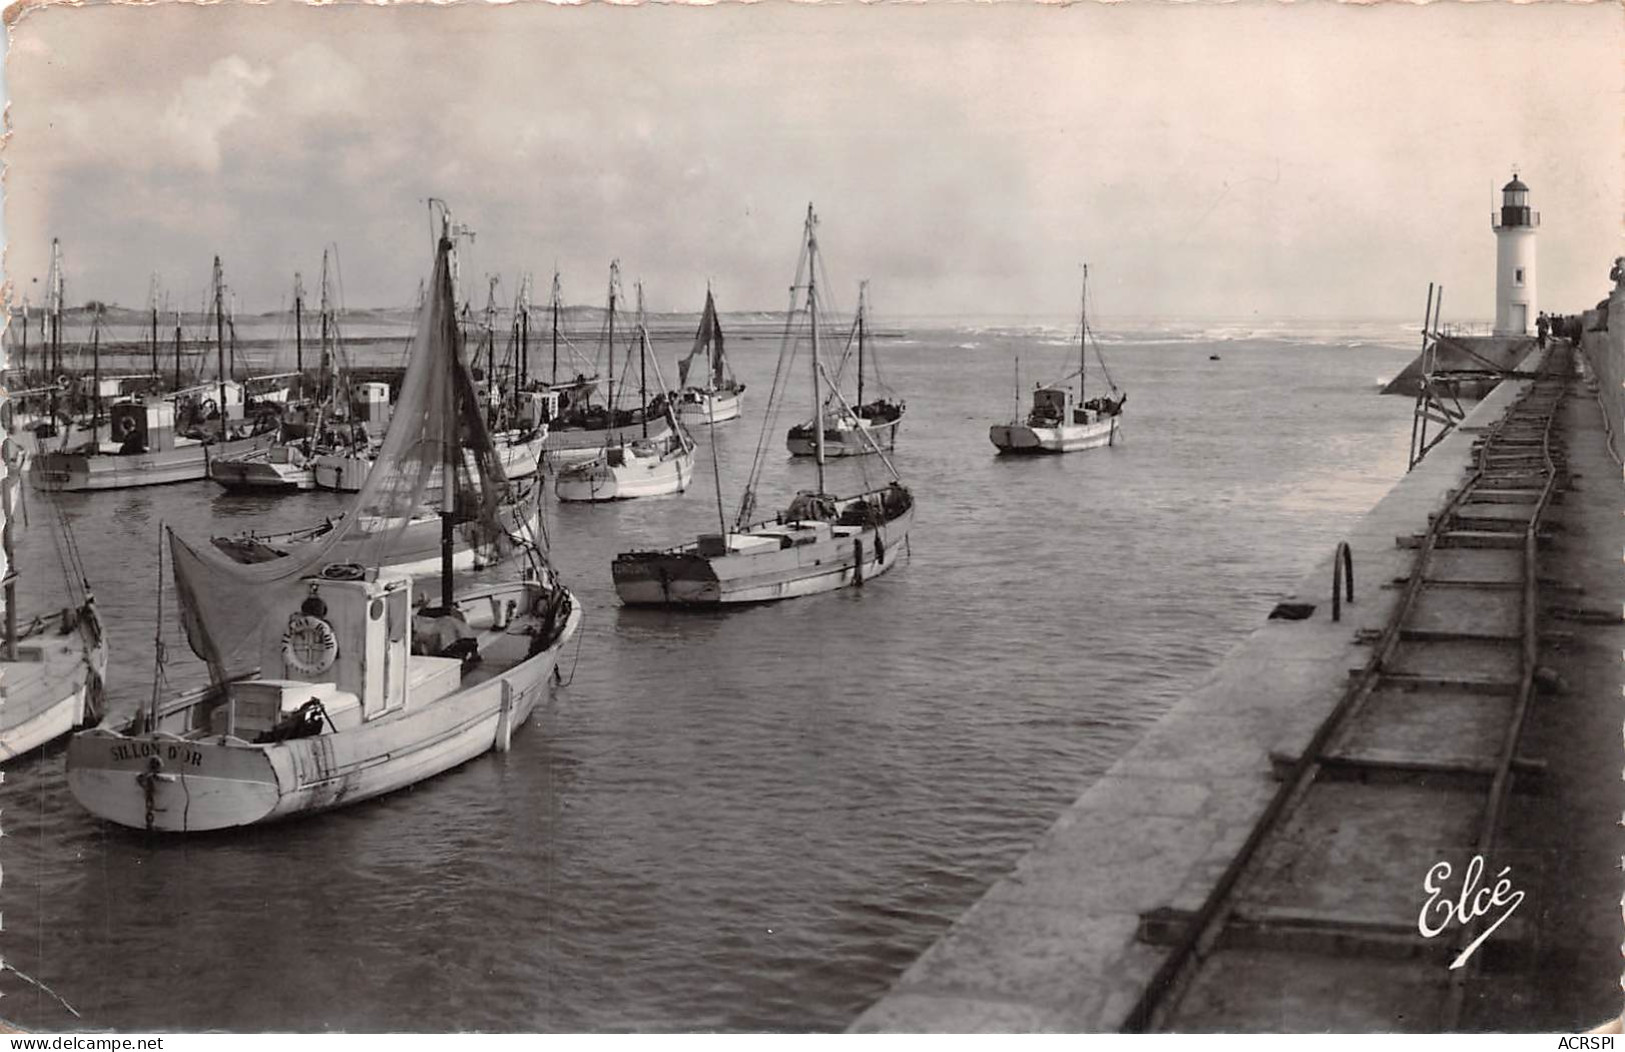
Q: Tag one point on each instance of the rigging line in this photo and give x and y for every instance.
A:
(874, 359)
(863, 433)
(575, 659)
(1089, 294)
(747, 499)
(158, 655)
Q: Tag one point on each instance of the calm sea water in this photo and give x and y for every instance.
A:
(751, 820)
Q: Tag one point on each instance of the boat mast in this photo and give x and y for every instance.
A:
(54, 357)
(614, 280)
(643, 364)
(1083, 335)
(490, 344)
(220, 342)
(95, 373)
(326, 369)
(863, 290)
(299, 332)
(177, 386)
(449, 451)
(556, 294)
(524, 331)
(155, 325)
(812, 316)
(56, 308)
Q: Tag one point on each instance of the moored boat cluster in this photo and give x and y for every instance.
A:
(335, 674)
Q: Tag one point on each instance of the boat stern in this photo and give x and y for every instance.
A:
(164, 783)
(1015, 438)
(665, 579)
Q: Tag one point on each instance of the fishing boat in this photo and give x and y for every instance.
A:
(718, 399)
(817, 544)
(330, 683)
(147, 448)
(582, 428)
(850, 429)
(647, 466)
(1060, 421)
(51, 667)
(289, 465)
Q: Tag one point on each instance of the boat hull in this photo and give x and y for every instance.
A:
(1022, 439)
(597, 483)
(73, 472)
(579, 445)
(850, 556)
(347, 472)
(709, 407)
(165, 782)
(847, 442)
(54, 687)
(261, 474)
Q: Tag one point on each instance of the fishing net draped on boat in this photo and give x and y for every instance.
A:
(437, 423)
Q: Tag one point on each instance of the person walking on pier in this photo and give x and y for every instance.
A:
(1541, 326)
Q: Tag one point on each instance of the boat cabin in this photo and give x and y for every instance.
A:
(536, 408)
(347, 643)
(1056, 406)
(369, 402)
(146, 426)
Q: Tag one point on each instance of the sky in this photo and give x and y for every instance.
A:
(1316, 160)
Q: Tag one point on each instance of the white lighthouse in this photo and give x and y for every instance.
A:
(1514, 230)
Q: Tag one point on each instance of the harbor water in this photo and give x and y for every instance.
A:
(744, 820)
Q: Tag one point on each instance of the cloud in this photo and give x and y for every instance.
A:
(205, 107)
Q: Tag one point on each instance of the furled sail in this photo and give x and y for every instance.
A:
(437, 431)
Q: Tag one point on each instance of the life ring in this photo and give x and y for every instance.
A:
(207, 406)
(126, 426)
(63, 382)
(309, 646)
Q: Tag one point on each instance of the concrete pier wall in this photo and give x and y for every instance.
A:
(1053, 946)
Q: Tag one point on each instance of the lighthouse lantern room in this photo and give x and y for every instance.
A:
(1514, 228)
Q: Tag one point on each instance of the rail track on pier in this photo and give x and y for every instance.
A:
(1324, 920)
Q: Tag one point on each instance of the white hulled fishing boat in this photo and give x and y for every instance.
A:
(330, 683)
(1059, 421)
(147, 449)
(718, 398)
(851, 429)
(582, 429)
(52, 666)
(818, 544)
(290, 465)
(646, 466)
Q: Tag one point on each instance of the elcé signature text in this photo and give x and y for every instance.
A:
(1439, 912)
